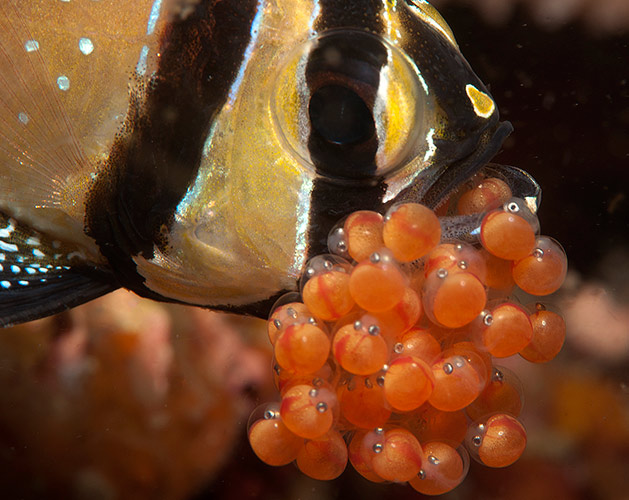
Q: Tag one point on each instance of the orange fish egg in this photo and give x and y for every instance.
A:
(544, 270)
(308, 411)
(272, 442)
(453, 300)
(323, 458)
(411, 230)
(360, 456)
(363, 404)
(490, 193)
(443, 469)
(408, 383)
(377, 284)
(363, 232)
(359, 348)
(302, 348)
(497, 442)
(506, 235)
(457, 382)
(396, 454)
(549, 333)
(506, 330)
(327, 295)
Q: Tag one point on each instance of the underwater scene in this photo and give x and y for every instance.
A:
(357, 251)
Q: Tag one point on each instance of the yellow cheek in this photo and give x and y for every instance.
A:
(288, 92)
(401, 109)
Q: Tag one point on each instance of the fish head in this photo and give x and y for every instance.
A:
(335, 107)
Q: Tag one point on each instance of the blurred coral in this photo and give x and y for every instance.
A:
(597, 324)
(123, 398)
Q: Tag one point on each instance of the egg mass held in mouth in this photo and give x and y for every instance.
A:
(412, 400)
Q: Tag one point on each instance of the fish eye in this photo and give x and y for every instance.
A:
(340, 116)
(348, 104)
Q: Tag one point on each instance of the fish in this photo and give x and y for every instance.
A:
(199, 151)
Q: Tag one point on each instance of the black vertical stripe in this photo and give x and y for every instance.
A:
(333, 199)
(156, 157)
(363, 57)
(361, 14)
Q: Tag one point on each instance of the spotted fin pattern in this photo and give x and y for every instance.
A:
(41, 276)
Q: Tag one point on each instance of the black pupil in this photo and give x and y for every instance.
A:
(340, 116)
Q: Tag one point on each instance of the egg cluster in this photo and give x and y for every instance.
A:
(388, 356)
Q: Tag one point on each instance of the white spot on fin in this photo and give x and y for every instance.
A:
(63, 82)
(86, 46)
(31, 45)
(8, 247)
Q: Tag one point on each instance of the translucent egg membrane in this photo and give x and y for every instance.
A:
(389, 356)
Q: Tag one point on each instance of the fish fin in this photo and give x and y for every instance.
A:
(66, 69)
(46, 296)
(40, 276)
(39, 150)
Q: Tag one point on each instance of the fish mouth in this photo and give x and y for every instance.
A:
(433, 188)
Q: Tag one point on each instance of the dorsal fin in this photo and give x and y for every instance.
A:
(65, 70)
(40, 276)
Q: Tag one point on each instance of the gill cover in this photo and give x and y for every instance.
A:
(200, 151)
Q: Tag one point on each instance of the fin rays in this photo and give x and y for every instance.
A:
(39, 150)
(40, 275)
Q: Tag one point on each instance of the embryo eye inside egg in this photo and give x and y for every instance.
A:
(420, 333)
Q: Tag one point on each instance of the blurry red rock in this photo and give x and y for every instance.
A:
(589, 313)
(100, 400)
